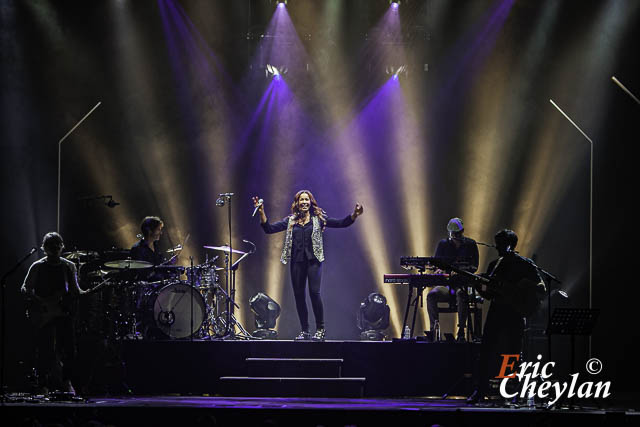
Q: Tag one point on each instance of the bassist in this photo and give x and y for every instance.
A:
(50, 284)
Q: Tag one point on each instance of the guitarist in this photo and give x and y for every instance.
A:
(504, 326)
(49, 284)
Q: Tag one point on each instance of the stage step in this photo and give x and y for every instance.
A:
(293, 377)
(294, 367)
(292, 387)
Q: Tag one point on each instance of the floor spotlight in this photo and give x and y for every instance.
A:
(266, 311)
(373, 317)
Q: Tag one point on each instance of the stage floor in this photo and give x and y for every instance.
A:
(401, 383)
(210, 411)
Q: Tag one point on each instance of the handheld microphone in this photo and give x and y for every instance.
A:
(260, 202)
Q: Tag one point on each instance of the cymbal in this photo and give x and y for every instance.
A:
(224, 249)
(98, 273)
(128, 264)
(80, 254)
(115, 254)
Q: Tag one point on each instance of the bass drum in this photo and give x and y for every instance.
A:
(174, 307)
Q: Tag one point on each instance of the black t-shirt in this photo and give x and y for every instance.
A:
(52, 280)
(464, 256)
(142, 252)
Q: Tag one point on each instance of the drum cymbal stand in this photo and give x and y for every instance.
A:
(227, 319)
(234, 267)
(225, 198)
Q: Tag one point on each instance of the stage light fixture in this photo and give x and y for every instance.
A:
(275, 72)
(395, 4)
(281, 4)
(373, 317)
(396, 72)
(266, 311)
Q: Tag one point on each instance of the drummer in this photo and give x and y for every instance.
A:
(146, 249)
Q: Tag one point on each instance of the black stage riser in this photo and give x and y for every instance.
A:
(390, 368)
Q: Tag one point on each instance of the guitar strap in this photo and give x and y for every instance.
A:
(495, 267)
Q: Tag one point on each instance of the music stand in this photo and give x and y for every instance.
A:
(573, 321)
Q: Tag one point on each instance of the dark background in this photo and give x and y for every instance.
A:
(179, 125)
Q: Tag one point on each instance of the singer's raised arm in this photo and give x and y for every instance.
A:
(275, 227)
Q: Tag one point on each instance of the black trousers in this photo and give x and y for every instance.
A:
(301, 272)
(502, 334)
(443, 294)
(56, 341)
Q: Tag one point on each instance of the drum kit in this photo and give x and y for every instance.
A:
(143, 301)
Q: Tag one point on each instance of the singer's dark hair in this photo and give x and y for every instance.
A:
(50, 239)
(149, 224)
(315, 209)
(506, 237)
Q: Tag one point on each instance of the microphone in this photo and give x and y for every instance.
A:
(112, 203)
(260, 202)
(222, 197)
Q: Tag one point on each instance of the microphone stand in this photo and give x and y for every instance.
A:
(551, 278)
(3, 282)
(191, 290)
(225, 198)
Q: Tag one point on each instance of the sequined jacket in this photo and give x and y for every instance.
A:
(297, 241)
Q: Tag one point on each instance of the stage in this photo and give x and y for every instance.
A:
(224, 382)
(499, 115)
(294, 369)
(219, 411)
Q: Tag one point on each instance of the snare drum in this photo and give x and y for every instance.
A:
(174, 306)
(202, 276)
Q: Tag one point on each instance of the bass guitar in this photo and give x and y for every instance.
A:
(42, 310)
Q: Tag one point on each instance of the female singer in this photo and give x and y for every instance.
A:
(303, 247)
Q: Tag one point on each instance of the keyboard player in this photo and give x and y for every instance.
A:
(461, 252)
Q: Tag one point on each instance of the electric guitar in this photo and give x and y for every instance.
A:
(522, 295)
(42, 310)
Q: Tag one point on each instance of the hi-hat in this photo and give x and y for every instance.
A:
(99, 273)
(224, 249)
(80, 254)
(128, 264)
